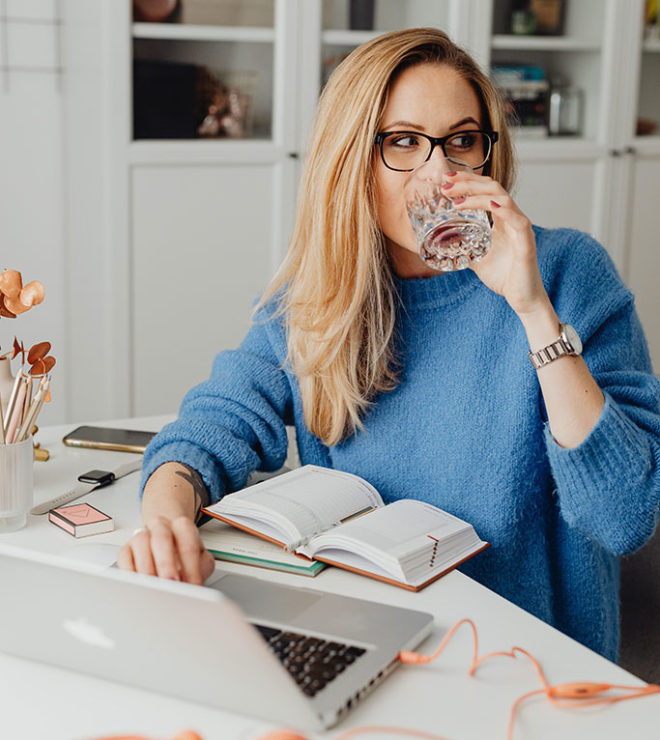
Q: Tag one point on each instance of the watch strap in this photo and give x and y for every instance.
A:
(549, 354)
(81, 489)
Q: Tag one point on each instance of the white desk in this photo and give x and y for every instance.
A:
(38, 702)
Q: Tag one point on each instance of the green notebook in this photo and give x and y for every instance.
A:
(225, 542)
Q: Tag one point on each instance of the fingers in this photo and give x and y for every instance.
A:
(487, 202)
(125, 558)
(163, 549)
(503, 210)
(168, 549)
(190, 550)
(207, 564)
(136, 555)
(469, 184)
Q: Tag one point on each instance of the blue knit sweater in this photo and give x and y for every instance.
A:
(466, 430)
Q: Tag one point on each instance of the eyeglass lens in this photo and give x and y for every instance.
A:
(406, 151)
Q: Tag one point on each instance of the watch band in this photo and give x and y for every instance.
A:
(83, 488)
(549, 354)
(567, 343)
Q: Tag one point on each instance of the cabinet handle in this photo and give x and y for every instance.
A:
(293, 155)
(630, 150)
(615, 153)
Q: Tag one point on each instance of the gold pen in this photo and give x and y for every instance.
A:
(12, 398)
(35, 408)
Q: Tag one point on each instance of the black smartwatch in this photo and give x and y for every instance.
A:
(87, 482)
(98, 477)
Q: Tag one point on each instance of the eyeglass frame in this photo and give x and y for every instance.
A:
(440, 141)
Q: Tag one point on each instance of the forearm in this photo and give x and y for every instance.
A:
(173, 490)
(572, 398)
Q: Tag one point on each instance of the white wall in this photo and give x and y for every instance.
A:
(31, 178)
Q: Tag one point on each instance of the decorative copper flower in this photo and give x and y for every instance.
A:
(16, 298)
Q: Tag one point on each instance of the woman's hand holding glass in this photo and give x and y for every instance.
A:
(510, 268)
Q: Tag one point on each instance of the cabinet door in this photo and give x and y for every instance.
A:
(202, 250)
(644, 249)
(557, 193)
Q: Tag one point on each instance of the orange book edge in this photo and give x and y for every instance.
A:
(401, 584)
(343, 566)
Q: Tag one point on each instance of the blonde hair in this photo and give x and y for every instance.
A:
(335, 286)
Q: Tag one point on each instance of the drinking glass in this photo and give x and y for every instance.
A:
(447, 239)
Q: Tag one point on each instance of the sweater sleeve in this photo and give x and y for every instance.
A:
(608, 487)
(234, 423)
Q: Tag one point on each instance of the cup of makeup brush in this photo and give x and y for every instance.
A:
(16, 484)
(447, 238)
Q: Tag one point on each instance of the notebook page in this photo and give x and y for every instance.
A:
(313, 498)
(399, 528)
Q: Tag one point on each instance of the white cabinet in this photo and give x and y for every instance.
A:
(195, 271)
(175, 238)
(606, 180)
(643, 268)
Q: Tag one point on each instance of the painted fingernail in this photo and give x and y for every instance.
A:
(451, 174)
(458, 200)
(494, 204)
(447, 185)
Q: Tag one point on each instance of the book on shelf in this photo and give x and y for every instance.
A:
(340, 519)
(225, 542)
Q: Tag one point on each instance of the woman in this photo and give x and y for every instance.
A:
(421, 381)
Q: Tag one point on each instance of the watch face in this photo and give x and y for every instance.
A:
(573, 338)
(100, 477)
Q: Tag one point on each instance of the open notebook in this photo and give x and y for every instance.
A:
(340, 519)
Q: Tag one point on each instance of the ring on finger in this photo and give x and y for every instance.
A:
(139, 530)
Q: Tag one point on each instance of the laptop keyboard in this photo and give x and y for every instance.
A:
(312, 661)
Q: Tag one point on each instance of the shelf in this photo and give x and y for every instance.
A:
(186, 32)
(166, 152)
(652, 45)
(543, 43)
(348, 38)
(649, 145)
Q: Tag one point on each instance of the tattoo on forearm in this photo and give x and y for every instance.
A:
(201, 492)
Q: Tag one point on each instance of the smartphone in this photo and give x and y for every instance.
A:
(103, 438)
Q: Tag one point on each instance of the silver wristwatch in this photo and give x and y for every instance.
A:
(568, 343)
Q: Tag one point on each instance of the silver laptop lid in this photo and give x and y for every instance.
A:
(192, 642)
(171, 638)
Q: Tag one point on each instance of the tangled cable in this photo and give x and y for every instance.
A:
(584, 693)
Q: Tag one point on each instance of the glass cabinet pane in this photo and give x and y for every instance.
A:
(250, 13)
(383, 15)
(648, 118)
(187, 89)
(557, 93)
(349, 23)
(546, 57)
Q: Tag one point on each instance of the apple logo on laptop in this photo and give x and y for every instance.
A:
(88, 633)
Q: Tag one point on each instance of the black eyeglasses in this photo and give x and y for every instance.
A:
(403, 151)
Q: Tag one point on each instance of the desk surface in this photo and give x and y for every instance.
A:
(439, 697)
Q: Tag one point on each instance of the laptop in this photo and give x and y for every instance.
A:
(290, 655)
